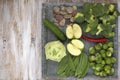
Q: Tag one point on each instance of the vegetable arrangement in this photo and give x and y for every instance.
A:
(101, 59)
(96, 19)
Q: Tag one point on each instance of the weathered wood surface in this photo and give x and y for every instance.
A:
(20, 39)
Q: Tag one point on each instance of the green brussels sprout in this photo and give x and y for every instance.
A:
(98, 46)
(92, 58)
(108, 53)
(103, 74)
(103, 62)
(92, 50)
(102, 52)
(112, 71)
(107, 69)
(92, 64)
(110, 44)
(110, 49)
(105, 46)
(98, 67)
(113, 59)
(108, 60)
(96, 72)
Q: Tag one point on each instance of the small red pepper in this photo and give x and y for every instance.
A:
(94, 39)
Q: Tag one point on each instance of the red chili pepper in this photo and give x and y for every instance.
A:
(94, 39)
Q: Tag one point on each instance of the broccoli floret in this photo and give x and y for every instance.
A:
(79, 18)
(87, 8)
(111, 7)
(116, 13)
(99, 28)
(90, 18)
(99, 10)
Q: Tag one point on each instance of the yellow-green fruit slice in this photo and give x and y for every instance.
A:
(69, 32)
(73, 50)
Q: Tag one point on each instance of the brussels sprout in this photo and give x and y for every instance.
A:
(110, 44)
(108, 60)
(107, 69)
(103, 62)
(110, 49)
(92, 64)
(98, 67)
(98, 46)
(105, 46)
(102, 52)
(97, 73)
(92, 58)
(108, 53)
(113, 60)
(112, 71)
(92, 50)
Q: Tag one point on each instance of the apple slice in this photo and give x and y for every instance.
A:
(75, 47)
(77, 31)
(73, 31)
(69, 31)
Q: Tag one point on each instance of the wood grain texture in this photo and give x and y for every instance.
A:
(20, 38)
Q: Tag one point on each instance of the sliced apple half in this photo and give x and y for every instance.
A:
(75, 47)
(73, 31)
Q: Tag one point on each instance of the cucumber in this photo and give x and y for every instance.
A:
(56, 31)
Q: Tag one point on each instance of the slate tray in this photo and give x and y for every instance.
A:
(49, 67)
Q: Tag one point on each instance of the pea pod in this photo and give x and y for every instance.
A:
(62, 65)
(71, 63)
(85, 70)
(79, 65)
(83, 65)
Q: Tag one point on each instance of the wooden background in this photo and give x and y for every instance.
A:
(20, 38)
